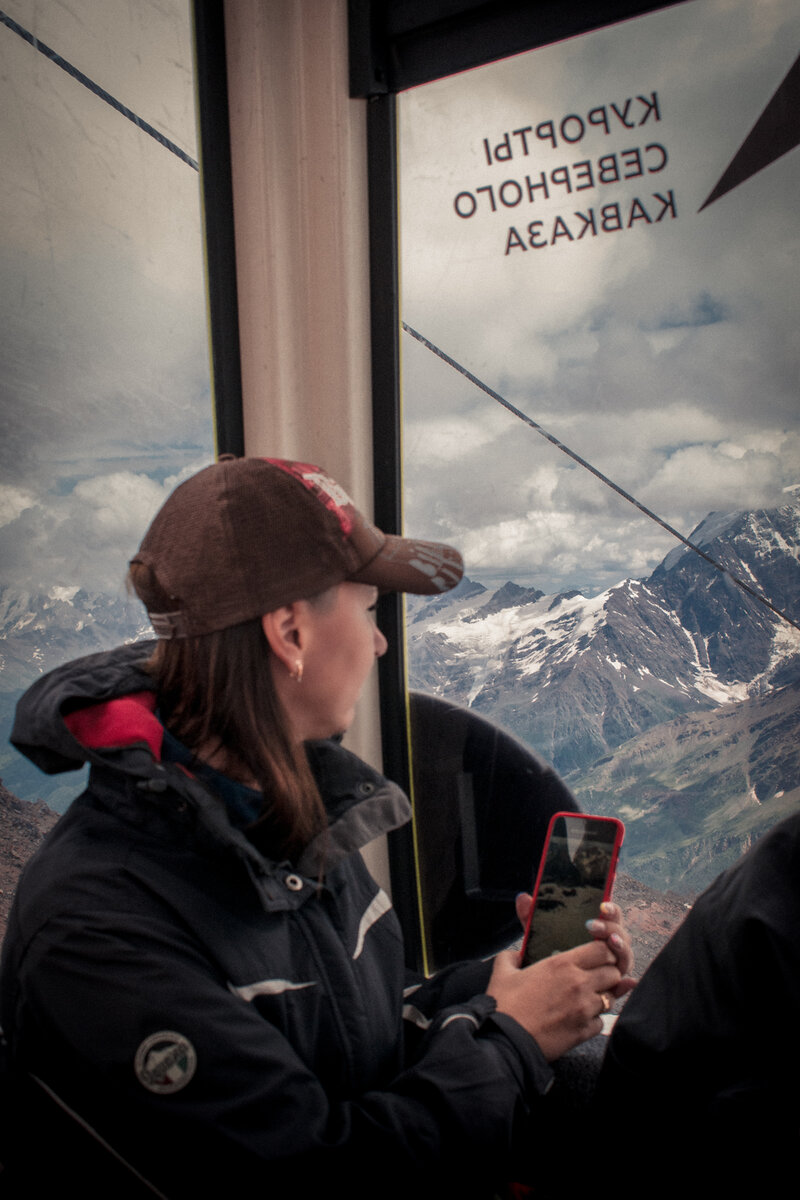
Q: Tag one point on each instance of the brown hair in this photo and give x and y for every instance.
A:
(216, 691)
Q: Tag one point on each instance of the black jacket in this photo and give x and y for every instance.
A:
(705, 1058)
(216, 1017)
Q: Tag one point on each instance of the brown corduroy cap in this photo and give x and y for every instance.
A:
(247, 535)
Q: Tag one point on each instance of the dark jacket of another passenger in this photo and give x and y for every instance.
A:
(702, 1072)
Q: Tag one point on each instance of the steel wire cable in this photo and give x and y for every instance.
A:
(96, 90)
(457, 366)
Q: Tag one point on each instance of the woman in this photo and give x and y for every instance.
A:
(198, 965)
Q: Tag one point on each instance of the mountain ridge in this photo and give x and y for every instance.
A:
(586, 680)
(579, 678)
(575, 676)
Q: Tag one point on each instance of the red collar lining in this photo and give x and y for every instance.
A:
(116, 723)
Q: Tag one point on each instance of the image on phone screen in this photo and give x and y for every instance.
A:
(575, 876)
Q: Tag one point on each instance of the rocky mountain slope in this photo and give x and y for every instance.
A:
(578, 677)
(696, 792)
(651, 917)
(22, 827)
(682, 659)
(575, 676)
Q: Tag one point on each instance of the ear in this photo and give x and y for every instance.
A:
(282, 631)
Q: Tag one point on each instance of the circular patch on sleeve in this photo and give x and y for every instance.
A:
(165, 1062)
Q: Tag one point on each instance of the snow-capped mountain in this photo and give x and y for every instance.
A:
(38, 632)
(672, 701)
(575, 676)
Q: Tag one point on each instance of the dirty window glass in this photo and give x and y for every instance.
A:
(603, 233)
(104, 377)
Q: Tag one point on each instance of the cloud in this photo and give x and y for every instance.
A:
(13, 501)
(83, 538)
(722, 475)
(104, 370)
(93, 359)
(666, 353)
(558, 551)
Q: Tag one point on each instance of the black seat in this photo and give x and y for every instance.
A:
(482, 804)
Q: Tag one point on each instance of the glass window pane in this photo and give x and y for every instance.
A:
(592, 230)
(104, 376)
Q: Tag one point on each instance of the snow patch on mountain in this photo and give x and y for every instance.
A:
(576, 675)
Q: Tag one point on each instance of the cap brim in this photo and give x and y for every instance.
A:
(407, 565)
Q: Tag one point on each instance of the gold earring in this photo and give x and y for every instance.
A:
(297, 672)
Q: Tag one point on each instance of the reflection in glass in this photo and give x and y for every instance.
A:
(572, 884)
(104, 378)
(556, 241)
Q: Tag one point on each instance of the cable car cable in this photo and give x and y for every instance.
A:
(741, 583)
(96, 90)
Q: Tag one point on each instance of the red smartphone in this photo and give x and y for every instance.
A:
(576, 874)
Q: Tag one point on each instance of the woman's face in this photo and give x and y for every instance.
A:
(340, 642)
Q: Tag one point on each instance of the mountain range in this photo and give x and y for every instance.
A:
(583, 680)
(672, 700)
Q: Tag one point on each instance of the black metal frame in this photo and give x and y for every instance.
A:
(387, 474)
(217, 192)
(397, 44)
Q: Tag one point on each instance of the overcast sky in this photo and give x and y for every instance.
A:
(665, 352)
(104, 378)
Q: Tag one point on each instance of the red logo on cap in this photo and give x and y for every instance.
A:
(327, 490)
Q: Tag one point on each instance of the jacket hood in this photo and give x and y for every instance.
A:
(40, 731)
(78, 713)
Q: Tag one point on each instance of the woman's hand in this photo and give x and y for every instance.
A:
(609, 927)
(559, 1000)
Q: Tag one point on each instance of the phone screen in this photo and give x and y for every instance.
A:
(575, 876)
